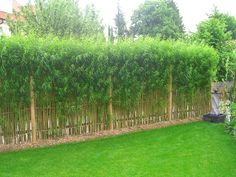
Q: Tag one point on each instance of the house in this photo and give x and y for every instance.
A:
(6, 9)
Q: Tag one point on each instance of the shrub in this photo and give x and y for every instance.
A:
(231, 124)
(72, 70)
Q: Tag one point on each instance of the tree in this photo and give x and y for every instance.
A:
(58, 17)
(110, 34)
(229, 21)
(120, 23)
(233, 66)
(91, 23)
(157, 18)
(214, 33)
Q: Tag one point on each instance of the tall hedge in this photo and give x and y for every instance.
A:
(75, 70)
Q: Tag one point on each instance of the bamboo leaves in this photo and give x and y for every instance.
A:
(72, 69)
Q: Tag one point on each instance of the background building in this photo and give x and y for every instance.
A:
(6, 9)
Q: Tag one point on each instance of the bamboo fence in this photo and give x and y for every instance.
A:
(30, 123)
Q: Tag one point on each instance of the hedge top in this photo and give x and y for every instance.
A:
(73, 69)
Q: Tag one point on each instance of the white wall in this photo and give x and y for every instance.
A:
(4, 29)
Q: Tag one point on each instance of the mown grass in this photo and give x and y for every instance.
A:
(192, 150)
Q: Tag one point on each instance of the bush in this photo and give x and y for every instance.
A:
(76, 70)
(231, 124)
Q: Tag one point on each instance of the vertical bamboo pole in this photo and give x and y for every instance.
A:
(32, 110)
(170, 96)
(110, 111)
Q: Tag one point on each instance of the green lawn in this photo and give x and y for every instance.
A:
(190, 150)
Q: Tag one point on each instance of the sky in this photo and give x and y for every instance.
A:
(192, 11)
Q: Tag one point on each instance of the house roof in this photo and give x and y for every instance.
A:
(3, 15)
(15, 6)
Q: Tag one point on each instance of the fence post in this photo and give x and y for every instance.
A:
(32, 110)
(110, 112)
(170, 96)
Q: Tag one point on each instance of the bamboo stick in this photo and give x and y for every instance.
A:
(32, 110)
(110, 103)
(170, 97)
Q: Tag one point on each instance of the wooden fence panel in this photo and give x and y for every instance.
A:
(52, 122)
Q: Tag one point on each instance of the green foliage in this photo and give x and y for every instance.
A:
(214, 32)
(67, 68)
(228, 20)
(78, 70)
(231, 125)
(57, 17)
(233, 68)
(92, 24)
(1, 121)
(157, 18)
(110, 34)
(120, 23)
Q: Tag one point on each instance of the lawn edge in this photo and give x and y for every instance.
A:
(96, 135)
